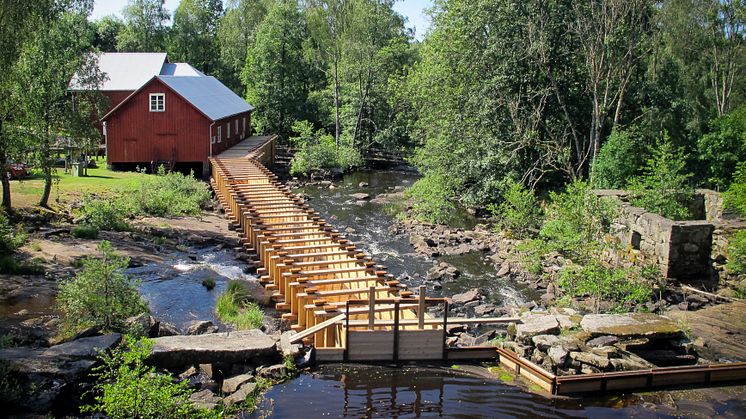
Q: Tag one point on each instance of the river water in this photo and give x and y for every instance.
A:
(175, 294)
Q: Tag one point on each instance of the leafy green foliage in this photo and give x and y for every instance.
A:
(193, 34)
(664, 186)
(100, 295)
(170, 194)
(735, 196)
(617, 161)
(724, 147)
(85, 232)
(164, 195)
(128, 388)
(105, 214)
(737, 253)
(520, 211)
(10, 238)
(576, 221)
(317, 150)
(276, 73)
(11, 266)
(431, 197)
(145, 27)
(624, 287)
(235, 307)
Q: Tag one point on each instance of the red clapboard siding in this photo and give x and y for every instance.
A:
(181, 133)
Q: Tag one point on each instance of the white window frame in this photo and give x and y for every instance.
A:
(156, 96)
(236, 126)
(220, 133)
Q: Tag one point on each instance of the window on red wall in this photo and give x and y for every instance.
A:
(236, 126)
(220, 134)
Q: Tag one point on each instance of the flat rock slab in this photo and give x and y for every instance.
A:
(537, 324)
(722, 327)
(67, 360)
(631, 325)
(231, 347)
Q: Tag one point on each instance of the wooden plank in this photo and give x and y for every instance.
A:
(321, 326)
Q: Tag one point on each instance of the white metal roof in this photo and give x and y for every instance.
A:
(127, 70)
(208, 95)
(180, 69)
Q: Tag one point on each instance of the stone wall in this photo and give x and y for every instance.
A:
(682, 249)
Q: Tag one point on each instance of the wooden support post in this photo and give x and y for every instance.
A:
(371, 308)
(396, 331)
(421, 309)
(445, 328)
(346, 353)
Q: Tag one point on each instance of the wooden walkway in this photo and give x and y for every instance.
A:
(338, 298)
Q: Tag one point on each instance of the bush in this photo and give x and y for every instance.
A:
(85, 231)
(576, 221)
(9, 265)
(724, 147)
(106, 214)
(127, 388)
(735, 196)
(520, 212)
(235, 307)
(664, 188)
(318, 150)
(617, 161)
(100, 295)
(431, 199)
(170, 194)
(737, 253)
(10, 239)
(624, 287)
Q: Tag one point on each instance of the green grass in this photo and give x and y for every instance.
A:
(235, 307)
(26, 193)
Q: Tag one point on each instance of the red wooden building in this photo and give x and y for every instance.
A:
(178, 121)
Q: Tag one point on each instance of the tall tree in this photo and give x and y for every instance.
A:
(276, 73)
(107, 31)
(235, 35)
(145, 27)
(15, 18)
(611, 36)
(193, 35)
(59, 48)
(327, 22)
(375, 48)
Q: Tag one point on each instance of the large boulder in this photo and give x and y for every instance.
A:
(47, 372)
(245, 346)
(473, 294)
(631, 325)
(287, 348)
(240, 396)
(273, 372)
(201, 327)
(230, 385)
(144, 323)
(68, 360)
(537, 324)
(205, 399)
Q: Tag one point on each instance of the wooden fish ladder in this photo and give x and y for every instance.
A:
(335, 296)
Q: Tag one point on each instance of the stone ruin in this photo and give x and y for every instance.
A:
(682, 249)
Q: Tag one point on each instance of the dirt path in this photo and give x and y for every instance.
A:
(723, 328)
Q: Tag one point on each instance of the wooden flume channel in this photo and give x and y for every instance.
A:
(337, 297)
(350, 308)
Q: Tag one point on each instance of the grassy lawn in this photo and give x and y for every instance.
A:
(69, 189)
